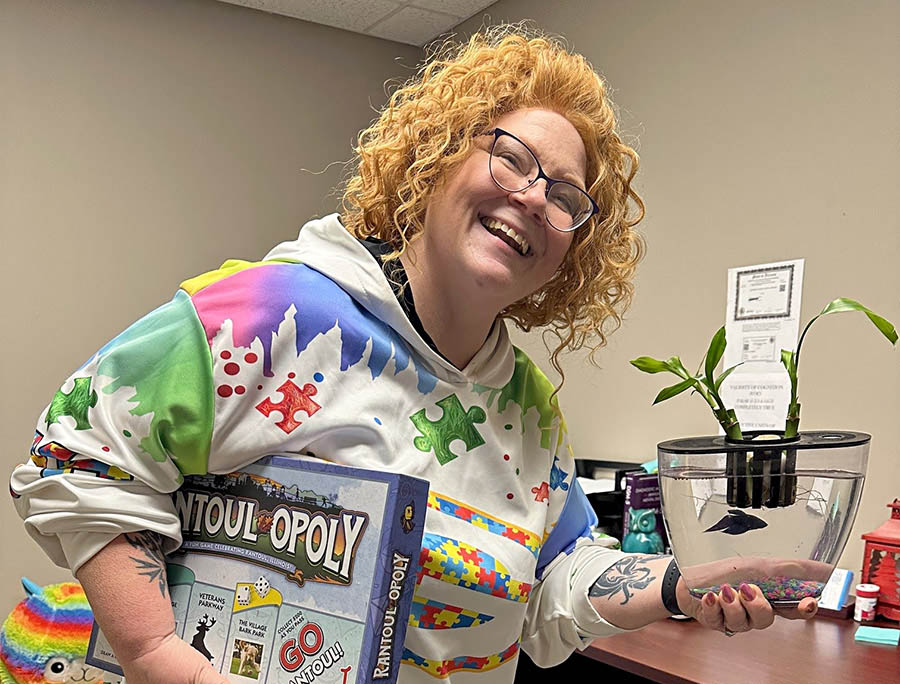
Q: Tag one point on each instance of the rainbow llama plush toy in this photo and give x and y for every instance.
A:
(45, 638)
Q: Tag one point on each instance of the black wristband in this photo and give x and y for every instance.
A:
(670, 581)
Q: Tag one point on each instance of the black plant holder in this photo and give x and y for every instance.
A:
(764, 474)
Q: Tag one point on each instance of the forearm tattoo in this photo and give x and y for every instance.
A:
(627, 576)
(152, 563)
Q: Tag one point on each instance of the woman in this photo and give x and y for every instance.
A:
(493, 186)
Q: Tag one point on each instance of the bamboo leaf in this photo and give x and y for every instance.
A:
(789, 361)
(674, 390)
(649, 364)
(674, 364)
(714, 353)
(842, 304)
(724, 375)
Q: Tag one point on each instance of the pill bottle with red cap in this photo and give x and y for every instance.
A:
(866, 600)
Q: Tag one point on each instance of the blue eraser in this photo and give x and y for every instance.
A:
(878, 635)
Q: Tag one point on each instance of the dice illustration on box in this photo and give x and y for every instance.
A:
(262, 587)
(243, 595)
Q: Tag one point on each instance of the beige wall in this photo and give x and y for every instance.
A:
(143, 142)
(767, 130)
(146, 141)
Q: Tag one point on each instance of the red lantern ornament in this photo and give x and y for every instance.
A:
(881, 565)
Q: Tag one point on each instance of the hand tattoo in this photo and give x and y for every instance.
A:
(153, 565)
(626, 575)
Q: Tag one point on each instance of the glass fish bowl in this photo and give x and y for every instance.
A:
(764, 510)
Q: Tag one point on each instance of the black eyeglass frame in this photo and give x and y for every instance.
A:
(497, 132)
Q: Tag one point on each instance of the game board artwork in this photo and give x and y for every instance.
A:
(294, 571)
(181, 582)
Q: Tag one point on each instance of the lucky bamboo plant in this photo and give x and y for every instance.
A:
(763, 475)
(707, 385)
(791, 360)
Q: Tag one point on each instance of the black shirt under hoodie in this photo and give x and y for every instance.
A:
(396, 275)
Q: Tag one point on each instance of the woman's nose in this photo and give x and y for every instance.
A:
(534, 198)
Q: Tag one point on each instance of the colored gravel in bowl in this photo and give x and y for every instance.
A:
(775, 589)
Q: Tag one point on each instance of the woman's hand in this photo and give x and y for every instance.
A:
(629, 593)
(731, 611)
(172, 661)
(739, 606)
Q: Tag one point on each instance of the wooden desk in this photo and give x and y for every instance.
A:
(818, 651)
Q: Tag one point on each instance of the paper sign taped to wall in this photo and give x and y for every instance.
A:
(763, 317)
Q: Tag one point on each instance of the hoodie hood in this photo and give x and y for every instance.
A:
(326, 246)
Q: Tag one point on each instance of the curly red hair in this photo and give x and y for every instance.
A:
(427, 129)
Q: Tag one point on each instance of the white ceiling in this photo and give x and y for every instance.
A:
(414, 22)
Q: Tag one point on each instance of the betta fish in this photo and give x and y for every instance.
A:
(45, 638)
(737, 522)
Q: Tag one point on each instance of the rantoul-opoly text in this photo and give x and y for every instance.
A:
(306, 537)
(389, 622)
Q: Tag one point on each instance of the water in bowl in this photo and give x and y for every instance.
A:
(789, 551)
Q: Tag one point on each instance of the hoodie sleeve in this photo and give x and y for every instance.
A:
(117, 438)
(560, 617)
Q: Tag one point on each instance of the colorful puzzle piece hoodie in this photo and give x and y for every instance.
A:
(309, 352)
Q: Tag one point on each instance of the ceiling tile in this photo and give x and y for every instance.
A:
(458, 8)
(352, 15)
(414, 26)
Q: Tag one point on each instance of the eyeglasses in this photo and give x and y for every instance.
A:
(514, 167)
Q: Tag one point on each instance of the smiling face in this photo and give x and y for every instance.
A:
(495, 244)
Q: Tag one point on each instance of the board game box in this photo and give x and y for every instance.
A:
(294, 572)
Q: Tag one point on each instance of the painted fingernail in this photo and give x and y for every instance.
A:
(747, 591)
(709, 599)
(728, 594)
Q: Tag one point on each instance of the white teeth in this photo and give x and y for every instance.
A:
(494, 224)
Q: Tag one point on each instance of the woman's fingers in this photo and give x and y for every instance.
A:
(759, 611)
(710, 614)
(733, 611)
(736, 618)
(807, 608)
(804, 610)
